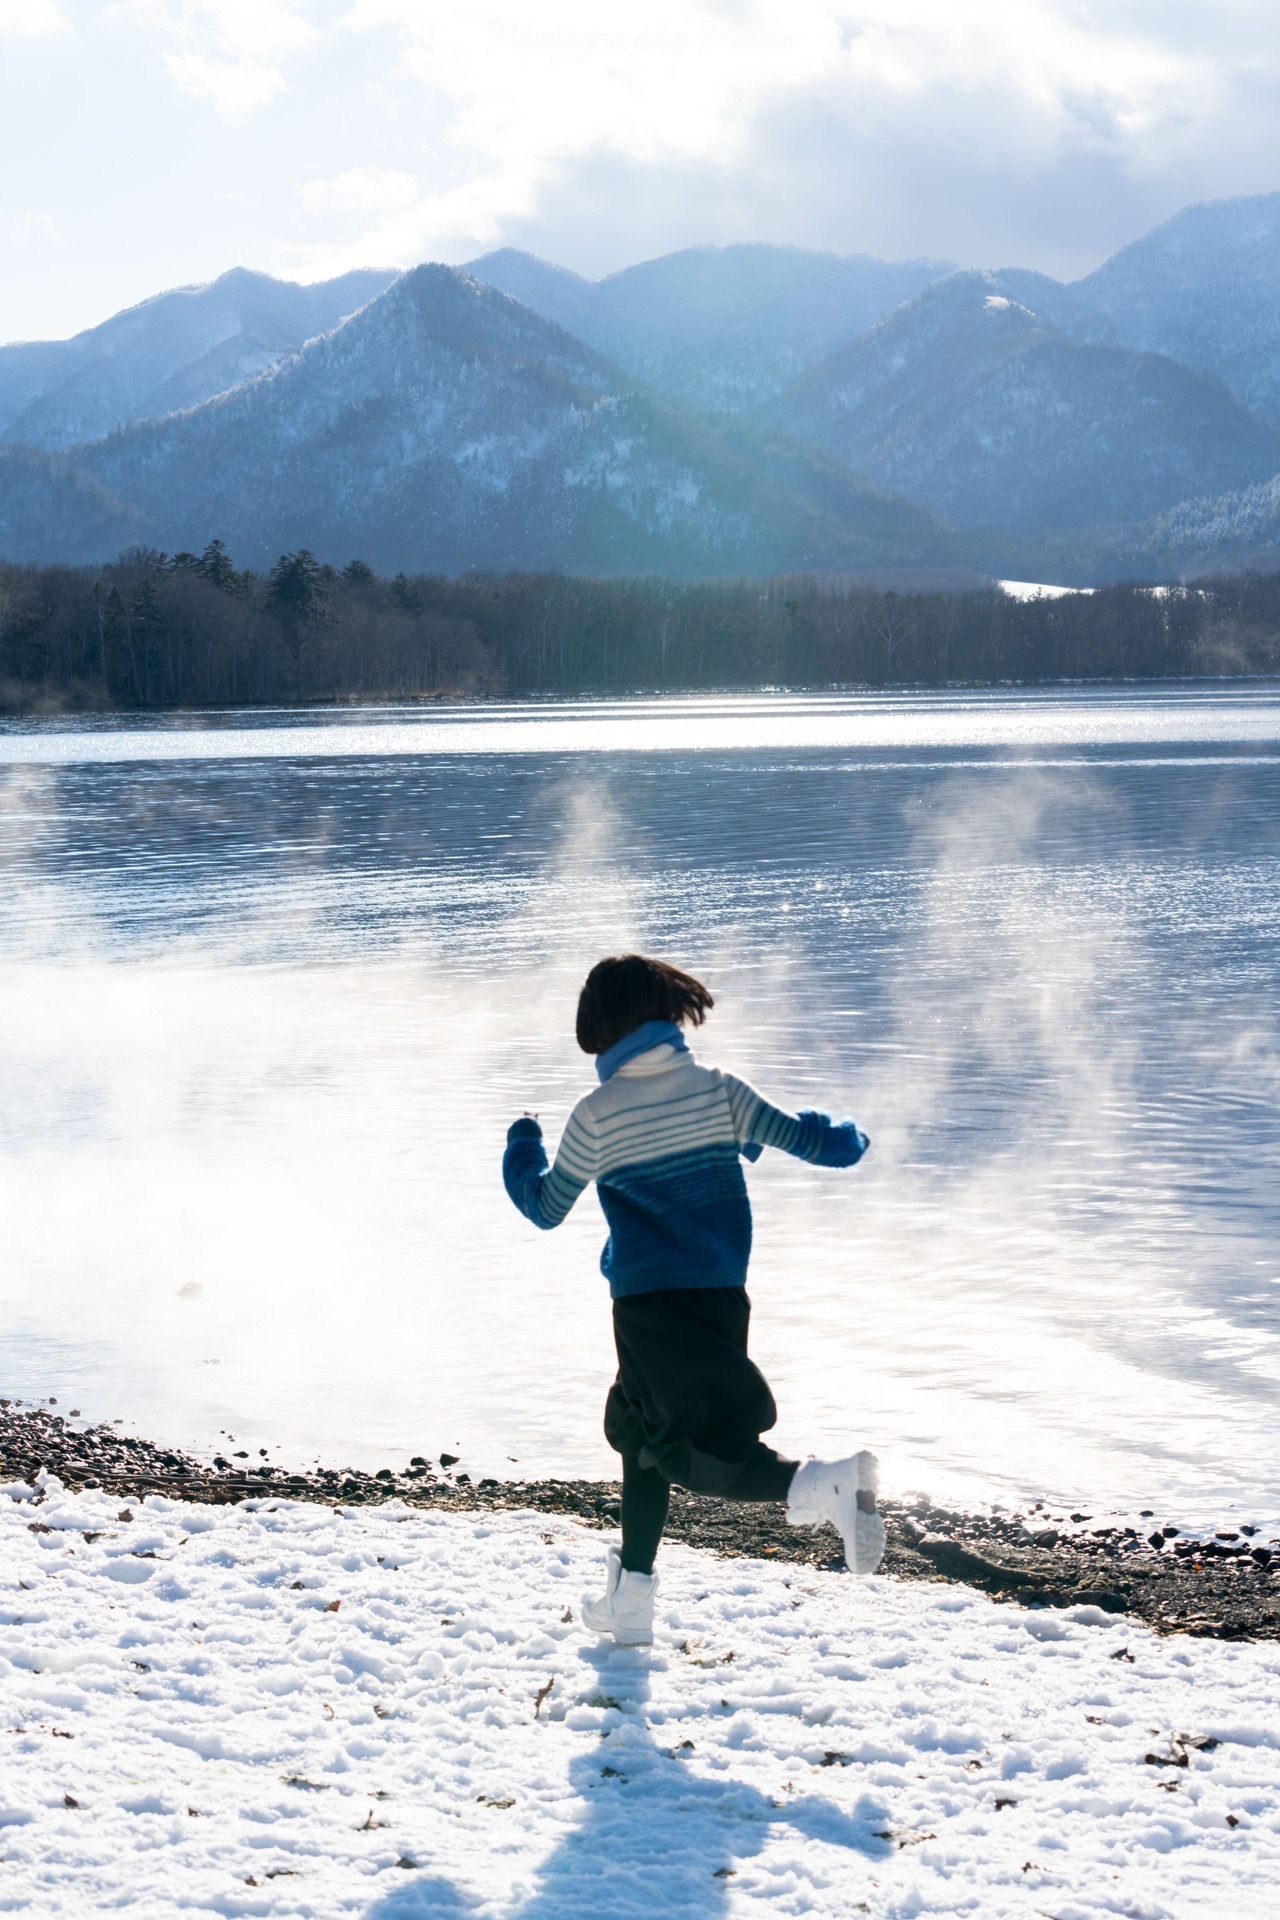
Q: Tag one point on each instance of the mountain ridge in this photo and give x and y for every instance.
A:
(966, 400)
(1204, 288)
(716, 408)
(721, 328)
(444, 427)
(57, 394)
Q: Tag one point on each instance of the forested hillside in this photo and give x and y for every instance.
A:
(975, 405)
(735, 411)
(1204, 287)
(446, 427)
(153, 632)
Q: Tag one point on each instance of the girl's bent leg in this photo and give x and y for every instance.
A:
(646, 1496)
(766, 1476)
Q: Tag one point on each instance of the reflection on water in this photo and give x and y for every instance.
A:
(698, 723)
(266, 1010)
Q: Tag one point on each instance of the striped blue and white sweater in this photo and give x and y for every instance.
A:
(662, 1139)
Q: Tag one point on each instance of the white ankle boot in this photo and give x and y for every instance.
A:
(625, 1609)
(829, 1490)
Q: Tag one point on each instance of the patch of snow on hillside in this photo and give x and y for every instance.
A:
(282, 1709)
(1036, 589)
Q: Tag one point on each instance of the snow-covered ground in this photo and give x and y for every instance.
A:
(292, 1709)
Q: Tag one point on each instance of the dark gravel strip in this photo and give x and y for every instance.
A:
(1226, 1585)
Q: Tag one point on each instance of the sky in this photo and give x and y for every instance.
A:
(147, 144)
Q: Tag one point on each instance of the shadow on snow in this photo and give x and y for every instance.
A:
(654, 1833)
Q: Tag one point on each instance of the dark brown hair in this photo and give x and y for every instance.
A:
(621, 993)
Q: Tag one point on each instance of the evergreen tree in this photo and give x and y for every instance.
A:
(297, 592)
(115, 641)
(146, 622)
(405, 593)
(214, 565)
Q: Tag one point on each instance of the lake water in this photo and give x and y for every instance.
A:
(272, 985)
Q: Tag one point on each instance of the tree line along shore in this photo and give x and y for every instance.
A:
(153, 630)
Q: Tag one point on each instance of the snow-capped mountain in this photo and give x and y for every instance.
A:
(723, 328)
(446, 427)
(169, 352)
(970, 402)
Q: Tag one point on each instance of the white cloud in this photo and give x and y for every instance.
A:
(339, 133)
(33, 230)
(361, 191)
(227, 53)
(233, 87)
(32, 20)
(513, 102)
(755, 110)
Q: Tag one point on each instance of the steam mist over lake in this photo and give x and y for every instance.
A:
(272, 986)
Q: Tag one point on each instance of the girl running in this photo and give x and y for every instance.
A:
(662, 1137)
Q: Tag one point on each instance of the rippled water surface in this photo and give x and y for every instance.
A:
(272, 985)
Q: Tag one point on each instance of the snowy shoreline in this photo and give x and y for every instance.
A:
(283, 1707)
(1223, 1585)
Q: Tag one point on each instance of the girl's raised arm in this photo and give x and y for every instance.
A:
(809, 1136)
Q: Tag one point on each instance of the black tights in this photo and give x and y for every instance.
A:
(646, 1495)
